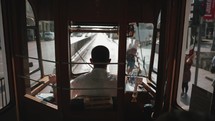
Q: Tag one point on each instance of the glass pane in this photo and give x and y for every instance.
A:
(47, 40)
(139, 49)
(45, 50)
(81, 44)
(30, 20)
(155, 63)
(4, 86)
(196, 77)
(42, 50)
(40, 79)
(32, 51)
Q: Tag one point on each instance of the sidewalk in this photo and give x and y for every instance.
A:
(206, 45)
(204, 79)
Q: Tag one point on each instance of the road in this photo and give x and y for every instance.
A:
(48, 55)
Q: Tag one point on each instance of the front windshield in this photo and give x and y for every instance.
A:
(84, 38)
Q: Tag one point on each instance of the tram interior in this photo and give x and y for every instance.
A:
(82, 37)
(82, 40)
(56, 38)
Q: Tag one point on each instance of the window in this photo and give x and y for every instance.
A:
(141, 41)
(39, 57)
(197, 84)
(139, 56)
(4, 86)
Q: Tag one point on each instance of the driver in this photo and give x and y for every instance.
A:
(98, 82)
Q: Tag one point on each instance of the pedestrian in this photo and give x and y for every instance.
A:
(131, 54)
(187, 72)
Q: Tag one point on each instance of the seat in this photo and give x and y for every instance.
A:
(98, 102)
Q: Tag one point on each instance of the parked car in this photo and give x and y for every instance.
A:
(49, 36)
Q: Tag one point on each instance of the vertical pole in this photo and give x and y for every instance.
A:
(39, 49)
(198, 50)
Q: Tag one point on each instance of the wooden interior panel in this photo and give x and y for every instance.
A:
(100, 10)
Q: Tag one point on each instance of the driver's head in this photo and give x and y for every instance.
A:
(100, 54)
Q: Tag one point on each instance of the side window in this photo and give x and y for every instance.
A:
(139, 57)
(39, 57)
(4, 86)
(196, 78)
(139, 49)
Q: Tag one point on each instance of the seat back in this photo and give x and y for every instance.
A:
(98, 102)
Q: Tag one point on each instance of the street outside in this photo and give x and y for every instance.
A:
(204, 78)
